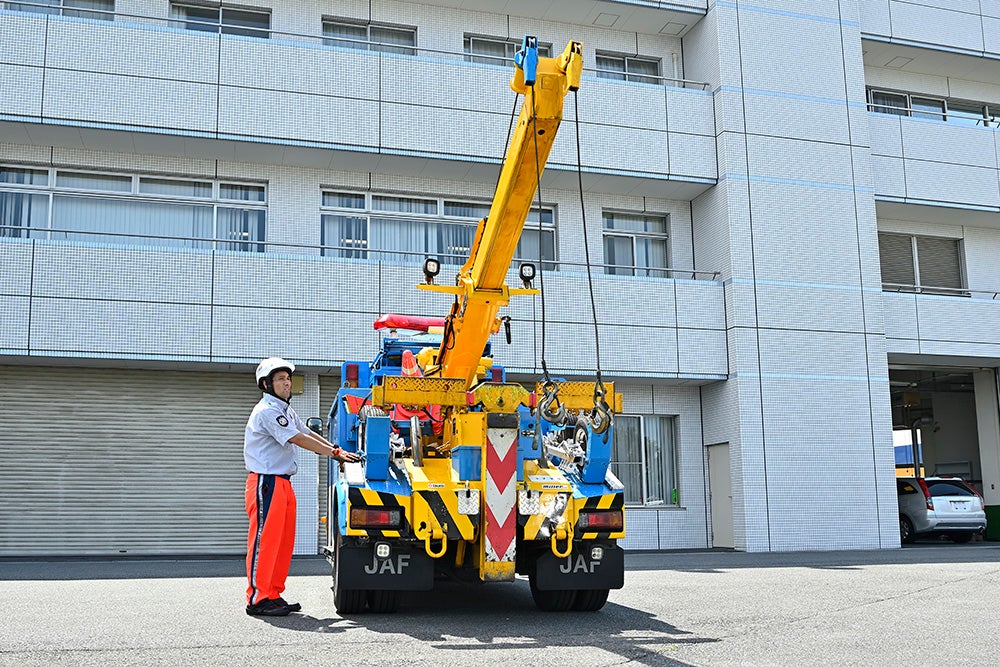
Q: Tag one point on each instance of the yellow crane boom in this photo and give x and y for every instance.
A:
(481, 286)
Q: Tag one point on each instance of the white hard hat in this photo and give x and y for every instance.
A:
(268, 366)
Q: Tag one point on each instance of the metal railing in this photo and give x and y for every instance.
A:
(324, 41)
(936, 291)
(350, 253)
(943, 116)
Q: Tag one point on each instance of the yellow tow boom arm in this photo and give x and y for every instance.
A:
(481, 286)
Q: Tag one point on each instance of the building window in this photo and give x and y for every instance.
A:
(635, 244)
(370, 36)
(93, 207)
(407, 229)
(242, 21)
(925, 264)
(102, 10)
(645, 459)
(959, 112)
(628, 68)
(496, 50)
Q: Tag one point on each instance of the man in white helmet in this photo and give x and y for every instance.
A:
(272, 430)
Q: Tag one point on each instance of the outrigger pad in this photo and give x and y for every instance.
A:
(579, 571)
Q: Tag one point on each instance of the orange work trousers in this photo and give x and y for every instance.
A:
(270, 504)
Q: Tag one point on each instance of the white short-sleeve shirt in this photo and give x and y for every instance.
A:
(266, 446)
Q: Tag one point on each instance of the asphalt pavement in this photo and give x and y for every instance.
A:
(927, 604)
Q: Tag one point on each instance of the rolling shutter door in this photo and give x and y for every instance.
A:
(111, 461)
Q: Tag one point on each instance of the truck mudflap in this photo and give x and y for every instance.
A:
(404, 569)
(580, 570)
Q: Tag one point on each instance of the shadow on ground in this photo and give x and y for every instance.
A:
(501, 616)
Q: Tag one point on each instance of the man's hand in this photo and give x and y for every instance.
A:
(340, 454)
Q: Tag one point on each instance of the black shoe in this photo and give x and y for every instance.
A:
(268, 608)
(290, 606)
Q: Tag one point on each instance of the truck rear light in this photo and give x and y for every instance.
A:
(367, 517)
(351, 375)
(927, 493)
(601, 520)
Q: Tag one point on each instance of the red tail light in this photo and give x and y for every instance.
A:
(601, 520)
(927, 493)
(982, 501)
(367, 517)
(351, 375)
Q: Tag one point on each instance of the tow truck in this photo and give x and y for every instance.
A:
(466, 475)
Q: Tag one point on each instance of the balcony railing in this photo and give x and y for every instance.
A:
(328, 252)
(937, 291)
(327, 41)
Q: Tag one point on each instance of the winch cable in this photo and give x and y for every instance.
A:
(599, 392)
(558, 413)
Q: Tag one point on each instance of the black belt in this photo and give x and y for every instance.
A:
(288, 477)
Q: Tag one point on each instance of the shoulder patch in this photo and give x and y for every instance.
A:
(282, 420)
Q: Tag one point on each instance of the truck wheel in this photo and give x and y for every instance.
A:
(345, 601)
(383, 602)
(590, 600)
(559, 600)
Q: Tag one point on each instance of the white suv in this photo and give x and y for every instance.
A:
(939, 506)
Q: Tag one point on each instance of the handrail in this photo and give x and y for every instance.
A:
(935, 291)
(419, 256)
(986, 122)
(57, 12)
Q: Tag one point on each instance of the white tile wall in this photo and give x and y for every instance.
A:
(820, 120)
(791, 225)
(955, 24)
(14, 325)
(875, 17)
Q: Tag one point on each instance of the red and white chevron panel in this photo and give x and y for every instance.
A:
(501, 495)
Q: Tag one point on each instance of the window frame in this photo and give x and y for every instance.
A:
(635, 270)
(510, 44)
(59, 8)
(220, 27)
(626, 74)
(987, 119)
(368, 44)
(362, 247)
(918, 286)
(669, 476)
(53, 190)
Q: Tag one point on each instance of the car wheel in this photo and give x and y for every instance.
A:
(960, 538)
(906, 535)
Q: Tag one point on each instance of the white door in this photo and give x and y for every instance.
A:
(721, 492)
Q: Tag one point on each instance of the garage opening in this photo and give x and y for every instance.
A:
(945, 423)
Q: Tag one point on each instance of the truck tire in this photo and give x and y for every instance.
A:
(345, 601)
(558, 600)
(383, 602)
(590, 600)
